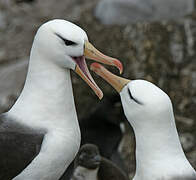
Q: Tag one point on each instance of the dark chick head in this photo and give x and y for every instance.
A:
(88, 157)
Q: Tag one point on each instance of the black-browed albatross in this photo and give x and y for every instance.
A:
(159, 155)
(98, 127)
(46, 107)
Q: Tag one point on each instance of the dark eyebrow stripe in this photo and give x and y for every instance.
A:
(130, 95)
(67, 42)
(59, 36)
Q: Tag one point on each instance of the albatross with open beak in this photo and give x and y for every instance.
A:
(46, 105)
(159, 154)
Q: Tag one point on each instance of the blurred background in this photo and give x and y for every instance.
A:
(154, 39)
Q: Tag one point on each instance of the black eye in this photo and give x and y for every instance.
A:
(134, 99)
(67, 42)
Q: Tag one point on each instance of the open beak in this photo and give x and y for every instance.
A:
(116, 82)
(91, 52)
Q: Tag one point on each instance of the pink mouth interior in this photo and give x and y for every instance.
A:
(81, 62)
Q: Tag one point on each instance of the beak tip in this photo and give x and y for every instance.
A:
(94, 66)
(100, 95)
(100, 98)
(119, 65)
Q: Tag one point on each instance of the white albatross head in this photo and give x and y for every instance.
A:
(149, 110)
(67, 45)
(142, 101)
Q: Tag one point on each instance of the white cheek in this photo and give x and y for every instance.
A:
(65, 61)
(75, 51)
(132, 110)
(69, 63)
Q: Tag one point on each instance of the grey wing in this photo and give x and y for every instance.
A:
(18, 147)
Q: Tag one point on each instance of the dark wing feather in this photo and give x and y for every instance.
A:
(108, 170)
(18, 147)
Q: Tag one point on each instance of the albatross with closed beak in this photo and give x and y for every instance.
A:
(159, 154)
(46, 105)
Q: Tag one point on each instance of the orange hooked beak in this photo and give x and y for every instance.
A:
(115, 81)
(91, 52)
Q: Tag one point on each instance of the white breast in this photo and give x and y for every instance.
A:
(81, 173)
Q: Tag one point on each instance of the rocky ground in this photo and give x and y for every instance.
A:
(162, 52)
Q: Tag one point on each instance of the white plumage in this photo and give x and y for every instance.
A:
(149, 110)
(46, 104)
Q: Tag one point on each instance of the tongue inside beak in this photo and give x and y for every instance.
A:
(91, 52)
(83, 72)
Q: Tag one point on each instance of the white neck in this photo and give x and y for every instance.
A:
(158, 150)
(47, 103)
(47, 95)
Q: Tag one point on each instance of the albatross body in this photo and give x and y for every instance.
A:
(44, 116)
(159, 155)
